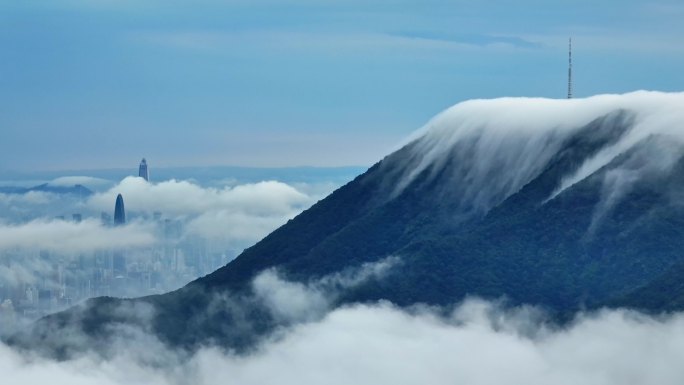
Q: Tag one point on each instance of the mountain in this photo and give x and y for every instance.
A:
(563, 204)
(77, 189)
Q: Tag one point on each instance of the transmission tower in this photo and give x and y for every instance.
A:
(570, 68)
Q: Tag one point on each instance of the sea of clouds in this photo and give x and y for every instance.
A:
(230, 218)
(473, 342)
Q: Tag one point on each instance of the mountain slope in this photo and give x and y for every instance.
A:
(564, 204)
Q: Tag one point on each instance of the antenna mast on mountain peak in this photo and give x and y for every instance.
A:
(570, 68)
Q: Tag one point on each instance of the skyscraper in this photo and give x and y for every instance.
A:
(105, 218)
(142, 170)
(119, 213)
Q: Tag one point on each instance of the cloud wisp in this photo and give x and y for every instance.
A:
(292, 302)
(68, 237)
(500, 145)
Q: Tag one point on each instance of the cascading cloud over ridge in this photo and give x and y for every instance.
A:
(505, 143)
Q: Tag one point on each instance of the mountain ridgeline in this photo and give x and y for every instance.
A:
(564, 204)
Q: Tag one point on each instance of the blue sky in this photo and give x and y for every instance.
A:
(102, 83)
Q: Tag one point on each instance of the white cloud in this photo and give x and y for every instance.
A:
(298, 302)
(87, 181)
(477, 344)
(290, 301)
(507, 142)
(238, 215)
(71, 237)
(382, 344)
(39, 252)
(29, 198)
(174, 197)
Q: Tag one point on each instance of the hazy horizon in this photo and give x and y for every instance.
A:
(314, 83)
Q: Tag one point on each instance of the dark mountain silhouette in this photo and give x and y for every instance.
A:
(492, 213)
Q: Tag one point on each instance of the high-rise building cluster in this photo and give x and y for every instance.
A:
(61, 280)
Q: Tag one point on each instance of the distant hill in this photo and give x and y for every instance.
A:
(77, 190)
(564, 204)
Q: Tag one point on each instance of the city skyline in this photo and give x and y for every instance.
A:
(151, 250)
